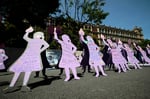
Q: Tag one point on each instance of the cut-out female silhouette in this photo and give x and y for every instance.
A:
(148, 50)
(30, 60)
(143, 53)
(95, 59)
(131, 58)
(68, 60)
(117, 58)
(3, 57)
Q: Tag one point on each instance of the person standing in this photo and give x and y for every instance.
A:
(85, 58)
(107, 56)
(45, 65)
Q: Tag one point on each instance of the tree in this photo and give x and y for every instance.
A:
(34, 11)
(144, 43)
(76, 13)
(22, 13)
(85, 11)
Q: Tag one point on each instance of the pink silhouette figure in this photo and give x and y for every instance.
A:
(117, 58)
(131, 58)
(121, 48)
(148, 49)
(95, 59)
(30, 60)
(3, 57)
(68, 60)
(144, 56)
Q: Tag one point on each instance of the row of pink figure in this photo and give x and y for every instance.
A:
(30, 60)
(116, 50)
(118, 60)
(144, 57)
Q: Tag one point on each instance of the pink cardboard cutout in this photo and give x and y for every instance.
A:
(3, 57)
(95, 59)
(117, 58)
(123, 51)
(68, 60)
(148, 49)
(30, 60)
(145, 57)
(131, 58)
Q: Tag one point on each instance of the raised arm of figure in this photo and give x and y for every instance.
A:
(81, 34)
(103, 38)
(26, 36)
(56, 37)
(135, 46)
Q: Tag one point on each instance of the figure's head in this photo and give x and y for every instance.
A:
(139, 47)
(2, 51)
(89, 39)
(66, 38)
(119, 42)
(129, 41)
(81, 32)
(109, 41)
(112, 45)
(39, 35)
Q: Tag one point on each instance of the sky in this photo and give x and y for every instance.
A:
(126, 14)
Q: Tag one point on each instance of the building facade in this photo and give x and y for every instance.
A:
(134, 35)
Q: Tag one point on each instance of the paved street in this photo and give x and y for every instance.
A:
(134, 84)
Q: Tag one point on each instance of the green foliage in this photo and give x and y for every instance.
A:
(144, 43)
(34, 11)
(85, 11)
(54, 45)
(76, 13)
(20, 14)
(71, 29)
(92, 9)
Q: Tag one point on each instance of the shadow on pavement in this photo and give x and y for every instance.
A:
(47, 81)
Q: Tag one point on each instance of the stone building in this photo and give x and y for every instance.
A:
(134, 35)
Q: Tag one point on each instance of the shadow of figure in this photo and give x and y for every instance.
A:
(5, 74)
(15, 89)
(32, 85)
(44, 82)
(4, 83)
(79, 75)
